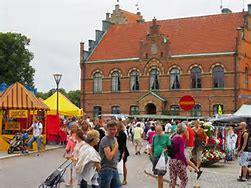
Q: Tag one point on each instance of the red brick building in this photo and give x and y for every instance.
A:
(134, 66)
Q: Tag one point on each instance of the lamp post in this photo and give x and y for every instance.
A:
(209, 105)
(57, 78)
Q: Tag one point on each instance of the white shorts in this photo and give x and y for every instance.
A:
(243, 159)
(188, 153)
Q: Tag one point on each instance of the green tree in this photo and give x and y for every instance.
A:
(15, 59)
(74, 97)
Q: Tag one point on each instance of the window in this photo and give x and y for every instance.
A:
(196, 112)
(97, 83)
(174, 110)
(97, 111)
(218, 109)
(134, 82)
(218, 77)
(246, 78)
(134, 110)
(115, 81)
(115, 110)
(154, 79)
(175, 79)
(196, 77)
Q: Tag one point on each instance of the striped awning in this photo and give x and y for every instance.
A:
(18, 97)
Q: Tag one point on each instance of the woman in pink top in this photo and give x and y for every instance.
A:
(69, 149)
(151, 132)
(178, 163)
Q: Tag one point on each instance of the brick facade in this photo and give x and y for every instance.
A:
(155, 53)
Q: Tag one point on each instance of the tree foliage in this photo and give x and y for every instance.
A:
(15, 59)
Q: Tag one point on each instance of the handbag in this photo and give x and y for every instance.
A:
(161, 164)
(120, 167)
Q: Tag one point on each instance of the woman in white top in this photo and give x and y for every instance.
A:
(88, 163)
(231, 142)
(75, 155)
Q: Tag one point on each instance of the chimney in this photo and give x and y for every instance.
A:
(107, 16)
(117, 7)
(82, 49)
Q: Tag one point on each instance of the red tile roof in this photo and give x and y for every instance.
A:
(130, 17)
(204, 34)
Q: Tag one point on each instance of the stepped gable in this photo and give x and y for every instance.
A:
(193, 35)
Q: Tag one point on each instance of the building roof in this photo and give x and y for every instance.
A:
(204, 34)
(130, 17)
(18, 97)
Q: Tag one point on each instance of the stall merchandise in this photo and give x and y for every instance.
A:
(17, 109)
(65, 108)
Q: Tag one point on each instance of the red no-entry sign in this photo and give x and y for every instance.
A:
(187, 102)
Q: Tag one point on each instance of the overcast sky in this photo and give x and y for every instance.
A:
(56, 27)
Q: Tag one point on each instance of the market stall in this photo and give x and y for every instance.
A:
(17, 109)
(65, 108)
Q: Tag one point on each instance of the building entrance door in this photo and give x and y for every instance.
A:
(150, 108)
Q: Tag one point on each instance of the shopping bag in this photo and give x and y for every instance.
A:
(161, 164)
(120, 167)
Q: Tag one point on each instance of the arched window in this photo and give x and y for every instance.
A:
(134, 110)
(134, 81)
(154, 79)
(174, 110)
(97, 111)
(115, 81)
(115, 110)
(218, 77)
(196, 112)
(246, 78)
(218, 109)
(175, 79)
(196, 77)
(97, 82)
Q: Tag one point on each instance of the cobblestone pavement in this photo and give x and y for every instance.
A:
(30, 171)
(221, 175)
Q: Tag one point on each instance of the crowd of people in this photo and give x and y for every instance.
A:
(96, 147)
(95, 151)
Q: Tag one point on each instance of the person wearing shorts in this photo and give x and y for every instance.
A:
(188, 138)
(243, 152)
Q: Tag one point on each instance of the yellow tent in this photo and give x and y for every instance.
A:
(65, 106)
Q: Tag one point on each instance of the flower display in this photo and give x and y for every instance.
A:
(213, 154)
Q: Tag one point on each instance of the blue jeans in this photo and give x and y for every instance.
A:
(38, 140)
(109, 178)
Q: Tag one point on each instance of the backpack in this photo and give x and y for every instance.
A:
(170, 149)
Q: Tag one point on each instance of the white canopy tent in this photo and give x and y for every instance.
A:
(241, 114)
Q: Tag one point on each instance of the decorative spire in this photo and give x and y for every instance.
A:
(137, 7)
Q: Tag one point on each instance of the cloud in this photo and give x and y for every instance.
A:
(57, 26)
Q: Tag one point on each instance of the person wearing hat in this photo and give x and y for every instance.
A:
(37, 128)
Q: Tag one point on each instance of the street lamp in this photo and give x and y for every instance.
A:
(57, 78)
(209, 105)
